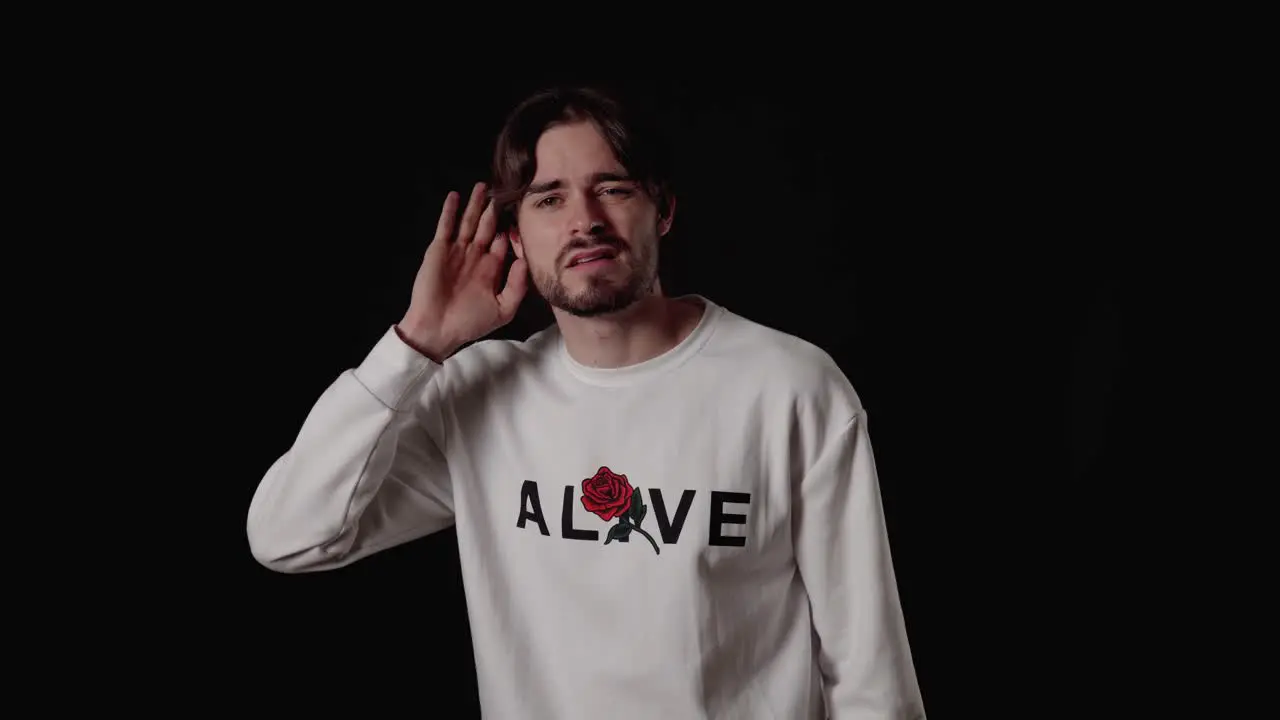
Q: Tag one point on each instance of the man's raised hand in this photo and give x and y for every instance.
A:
(457, 296)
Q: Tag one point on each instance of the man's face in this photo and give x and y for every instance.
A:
(588, 233)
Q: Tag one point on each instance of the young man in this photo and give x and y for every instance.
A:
(663, 509)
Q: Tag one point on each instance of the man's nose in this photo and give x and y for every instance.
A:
(587, 218)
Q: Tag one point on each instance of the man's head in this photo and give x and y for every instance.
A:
(581, 186)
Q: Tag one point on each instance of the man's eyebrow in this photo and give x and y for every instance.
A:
(542, 187)
(599, 177)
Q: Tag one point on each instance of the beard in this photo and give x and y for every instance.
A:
(603, 294)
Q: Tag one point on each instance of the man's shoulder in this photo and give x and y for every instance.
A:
(789, 373)
(764, 346)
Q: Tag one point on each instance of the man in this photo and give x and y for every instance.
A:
(663, 510)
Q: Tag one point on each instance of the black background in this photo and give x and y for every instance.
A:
(942, 230)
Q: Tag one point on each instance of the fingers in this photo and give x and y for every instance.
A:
(471, 216)
(517, 283)
(486, 227)
(499, 246)
(444, 227)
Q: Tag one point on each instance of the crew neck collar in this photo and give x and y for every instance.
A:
(669, 360)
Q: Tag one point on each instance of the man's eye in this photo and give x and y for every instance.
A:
(618, 191)
(547, 201)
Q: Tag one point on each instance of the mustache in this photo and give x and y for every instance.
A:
(583, 244)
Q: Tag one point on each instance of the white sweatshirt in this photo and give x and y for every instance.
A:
(696, 536)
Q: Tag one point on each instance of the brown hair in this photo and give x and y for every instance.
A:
(636, 139)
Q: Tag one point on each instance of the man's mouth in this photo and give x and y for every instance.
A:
(591, 256)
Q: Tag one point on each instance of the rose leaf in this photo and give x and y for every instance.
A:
(617, 532)
(638, 508)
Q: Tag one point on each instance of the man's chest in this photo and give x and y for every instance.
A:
(676, 478)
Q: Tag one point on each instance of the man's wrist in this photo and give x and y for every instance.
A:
(427, 350)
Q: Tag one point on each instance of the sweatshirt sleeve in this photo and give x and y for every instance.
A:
(842, 550)
(365, 472)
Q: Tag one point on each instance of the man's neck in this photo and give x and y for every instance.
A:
(647, 329)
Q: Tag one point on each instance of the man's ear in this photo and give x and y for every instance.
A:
(666, 218)
(513, 235)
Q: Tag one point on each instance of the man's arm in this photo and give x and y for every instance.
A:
(366, 471)
(842, 549)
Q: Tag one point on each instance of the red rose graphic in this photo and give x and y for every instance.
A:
(611, 496)
(607, 494)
